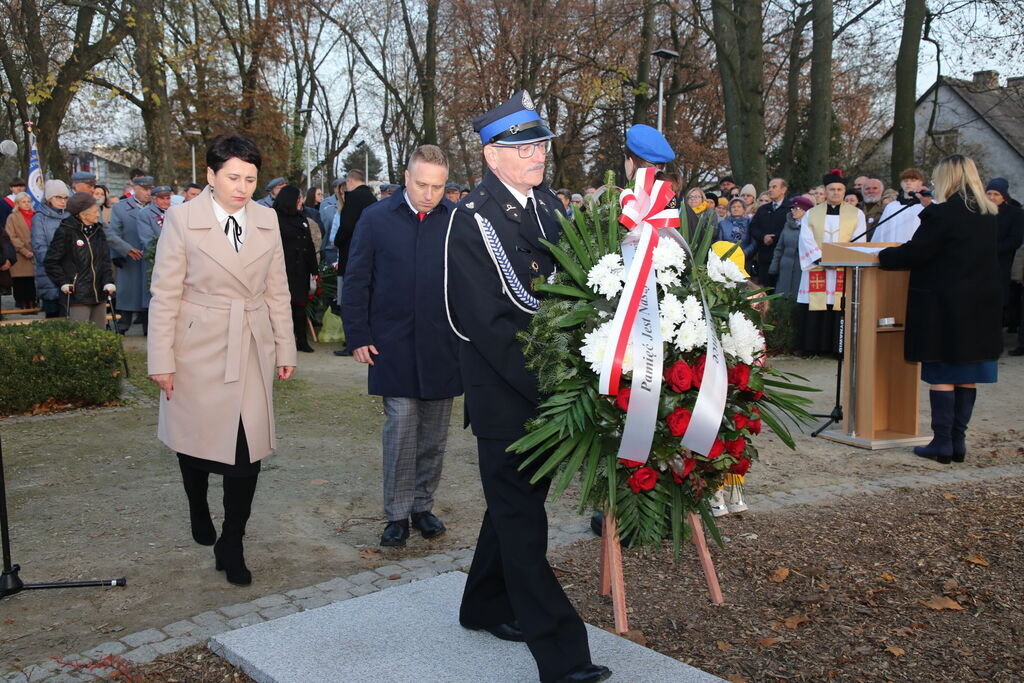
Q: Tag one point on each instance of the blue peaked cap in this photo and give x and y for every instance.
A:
(512, 122)
(648, 144)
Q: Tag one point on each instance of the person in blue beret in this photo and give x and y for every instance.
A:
(272, 188)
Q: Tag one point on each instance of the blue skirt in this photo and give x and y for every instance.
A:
(983, 372)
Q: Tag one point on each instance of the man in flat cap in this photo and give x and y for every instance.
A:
(272, 188)
(511, 591)
(128, 254)
(452, 192)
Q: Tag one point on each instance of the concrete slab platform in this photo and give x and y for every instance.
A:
(355, 640)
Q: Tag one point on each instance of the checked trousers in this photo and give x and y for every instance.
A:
(415, 437)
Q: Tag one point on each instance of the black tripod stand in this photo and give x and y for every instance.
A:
(836, 416)
(10, 583)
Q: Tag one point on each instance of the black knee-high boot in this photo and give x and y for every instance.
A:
(299, 325)
(963, 407)
(196, 484)
(941, 447)
(238, 495)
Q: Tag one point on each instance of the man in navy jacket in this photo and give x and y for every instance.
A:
(395, 322)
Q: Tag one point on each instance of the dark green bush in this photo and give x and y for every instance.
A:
(57, 359)
(784, 335)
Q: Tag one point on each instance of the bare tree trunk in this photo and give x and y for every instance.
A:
(787, 148)
(156, 107)
(903, 127)
(642, 96)
(738, 35)
(820, 128)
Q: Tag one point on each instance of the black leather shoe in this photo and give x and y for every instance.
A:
(508, 631)
(342, 352)
(395, 534)
(588, 673)
(1019, 351)
(305, 348)
(429, 525)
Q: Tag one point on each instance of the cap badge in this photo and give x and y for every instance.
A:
(527, 102)
(513, 129)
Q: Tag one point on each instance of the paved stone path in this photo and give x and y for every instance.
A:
(147, 645)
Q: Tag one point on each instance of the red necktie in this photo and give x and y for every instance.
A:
(422, 215)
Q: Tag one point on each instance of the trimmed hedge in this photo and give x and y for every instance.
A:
(60, 360)
(784, 335)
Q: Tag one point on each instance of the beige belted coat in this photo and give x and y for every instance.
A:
(221, 322)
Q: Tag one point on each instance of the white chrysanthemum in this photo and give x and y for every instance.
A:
(692, 309)
(743, 340)
(691, 336)
(597, 343)
(667, 277)
(607, 276)
(669, 255)
(671, 309)
(724, 270)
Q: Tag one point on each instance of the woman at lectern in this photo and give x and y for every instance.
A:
(954, 305)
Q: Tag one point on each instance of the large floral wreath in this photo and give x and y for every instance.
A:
(578, 430)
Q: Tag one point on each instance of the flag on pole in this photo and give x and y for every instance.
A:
(35, 173)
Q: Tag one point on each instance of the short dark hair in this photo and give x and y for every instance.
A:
(135, 173)
(226, 147)
(192, 186)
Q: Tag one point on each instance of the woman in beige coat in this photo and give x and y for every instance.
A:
(219, 331)
(23, 271)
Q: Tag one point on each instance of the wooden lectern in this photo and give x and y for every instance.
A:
(881, 391)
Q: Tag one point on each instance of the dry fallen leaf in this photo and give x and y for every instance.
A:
(635, 635)
(941, 602)
(735, 678)
(768, 642)
(977, 559)
(369, 552)
(887, 576)
(949, 496)
(724, 646)
(897, 651)
(779, 575)
(795, 621)
(317, 482)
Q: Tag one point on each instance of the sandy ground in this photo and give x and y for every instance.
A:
(93, 494)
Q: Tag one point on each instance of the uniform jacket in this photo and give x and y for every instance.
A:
(954, 305)
(44, 226)
(18, 230)
(123, 236)
(79, 256)
(219, 320)
(785, 263)
(393, 298)
(767, 222)
(356, 201)
(501, 394)
(150, 224)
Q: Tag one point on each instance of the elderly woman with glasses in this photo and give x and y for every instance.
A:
(45, 222)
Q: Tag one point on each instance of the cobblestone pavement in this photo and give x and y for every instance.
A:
(146, 645)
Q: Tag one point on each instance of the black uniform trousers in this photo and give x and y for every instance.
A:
(510, 578)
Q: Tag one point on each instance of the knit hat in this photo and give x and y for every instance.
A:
(79, 202)
(833, 176)
(1000, 185)
(55, 188)
(749, 189)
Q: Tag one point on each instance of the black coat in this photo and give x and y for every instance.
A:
(768, 222)
(299, 253)
(393, 298)
(356, 201)
(954, 306)
(1011, 235)
(501, 394)
(79, 255)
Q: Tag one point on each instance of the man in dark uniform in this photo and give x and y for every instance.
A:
(494, 253)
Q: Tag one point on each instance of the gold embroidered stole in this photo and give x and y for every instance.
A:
(816, 278)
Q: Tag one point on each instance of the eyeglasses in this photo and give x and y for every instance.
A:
(526, 151)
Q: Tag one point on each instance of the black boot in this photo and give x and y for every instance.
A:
(196, 483)
(963, 406)
(238, 495)
(299, 325)
(941, 447)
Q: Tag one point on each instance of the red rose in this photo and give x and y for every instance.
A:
(717, 449)
(688, 466)
(755, 425)
(736, 446)
(739, 376)
(679, 376)
(698, 370)
(622, 400)
(643, 479)
(678, 420)
(741, 467)
(740, 420)
(630, 463)
(758, 395)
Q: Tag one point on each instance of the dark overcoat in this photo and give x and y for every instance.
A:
(1011, 235)
(954, 306)
(299, 253)
(767, 221)
(501, 394)
(393, 298)
(356, 201)
(79, 256)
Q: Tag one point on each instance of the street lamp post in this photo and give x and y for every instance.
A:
(192, 144)
(664, 57)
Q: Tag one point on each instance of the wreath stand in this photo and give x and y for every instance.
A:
(614, 583)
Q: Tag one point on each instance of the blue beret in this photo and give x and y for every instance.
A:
(274, 183)
(648, 144)
(83, 177)
(512, 122)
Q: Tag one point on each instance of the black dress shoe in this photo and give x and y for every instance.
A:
(429, 525)
(342, 352)
(395, 534)
(306, 348)
(508, 631)
(588, 673)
